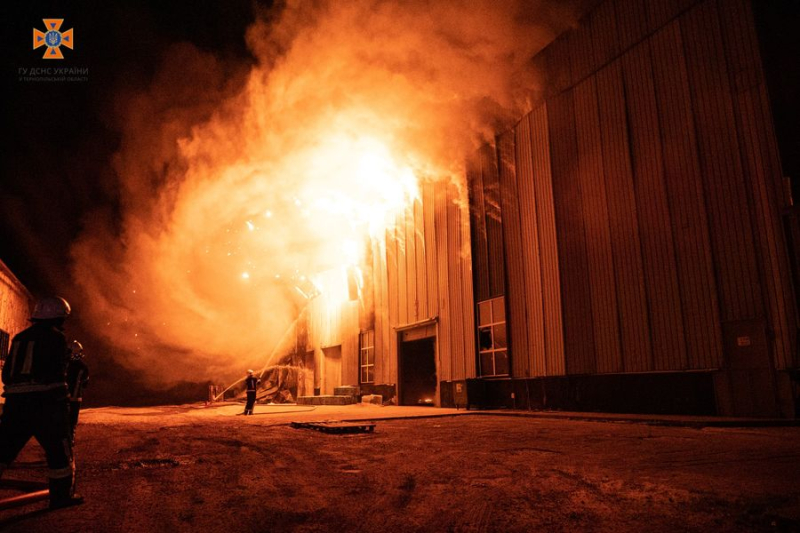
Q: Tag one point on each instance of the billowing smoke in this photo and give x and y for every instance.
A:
(240, 184)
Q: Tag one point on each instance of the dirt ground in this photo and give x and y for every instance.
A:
(192, 468)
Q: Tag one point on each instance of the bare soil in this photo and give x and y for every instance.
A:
(193, 469)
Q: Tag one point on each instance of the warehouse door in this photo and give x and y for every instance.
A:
(418, 379)
(332, 369)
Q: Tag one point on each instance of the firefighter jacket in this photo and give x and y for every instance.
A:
(252, 383)
(77, 379)
(37, 361)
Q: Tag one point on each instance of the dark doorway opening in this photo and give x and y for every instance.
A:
(418, 372)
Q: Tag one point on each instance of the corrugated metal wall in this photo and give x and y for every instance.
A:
(423, 271)
(331, 323)
(534, 300)
(760, 164)
(15, 303)
(456, 310)
(626, 219)
(517, 322)
(650, 176)
(579, 335)
(486, 224)
(543, 204)
(15, 308)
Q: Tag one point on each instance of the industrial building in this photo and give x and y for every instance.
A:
(16, 304)
(630, 245)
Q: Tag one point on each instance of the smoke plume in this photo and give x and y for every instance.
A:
(241, 183)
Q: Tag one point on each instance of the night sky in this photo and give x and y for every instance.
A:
(59, 137)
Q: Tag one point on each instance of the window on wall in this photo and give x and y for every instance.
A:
(4, 338)
(492, 343)
(367, 358)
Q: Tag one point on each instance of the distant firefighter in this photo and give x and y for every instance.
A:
(251, 384)
(77, 380)
(34, 376)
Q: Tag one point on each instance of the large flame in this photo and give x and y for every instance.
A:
(239, 187)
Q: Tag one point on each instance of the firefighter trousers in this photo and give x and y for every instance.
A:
(46, 418)
(251, 401)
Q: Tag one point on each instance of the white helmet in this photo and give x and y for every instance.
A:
(76, 349)
(51, 307)
(250, 372)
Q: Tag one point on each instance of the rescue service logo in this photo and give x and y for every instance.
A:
(53, 38)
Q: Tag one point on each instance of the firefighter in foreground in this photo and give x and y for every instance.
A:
(251, 384)
(36, 405)
(77, 380)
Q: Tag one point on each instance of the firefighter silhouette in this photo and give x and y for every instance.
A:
(251, 384)
(36, 405)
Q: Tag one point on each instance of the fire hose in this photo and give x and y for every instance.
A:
(271, 355)
(24, 499)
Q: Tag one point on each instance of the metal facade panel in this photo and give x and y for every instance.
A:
(333, 323)
(727, 199)
(422, 310)
(432, 258)
(443, 280)
(350, 349)
(530, 253)
(464, 258)
(429, 234)
(402, 269)
(548, 242)
(687, 204)
(623, 221)
(459, 334)
(517, 301)
(602, 276)
(631, 21)
(393, 300)
(658, 250)
(579, 349)
(382, 327)
(412, 304)
(480, 248)
(494, 221)
(762, 169)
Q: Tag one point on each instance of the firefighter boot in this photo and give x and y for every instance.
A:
(61, 494)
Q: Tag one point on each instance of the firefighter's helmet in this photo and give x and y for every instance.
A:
(250, 372)
(76, 350)
(51, 307)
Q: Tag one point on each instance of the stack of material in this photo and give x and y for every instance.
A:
(375, 399)
(344, 395)
(278, 384)
(346, 390)
(328, 399)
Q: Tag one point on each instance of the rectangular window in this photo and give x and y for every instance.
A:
(4, 338)
(492, 342)
(367, 358)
